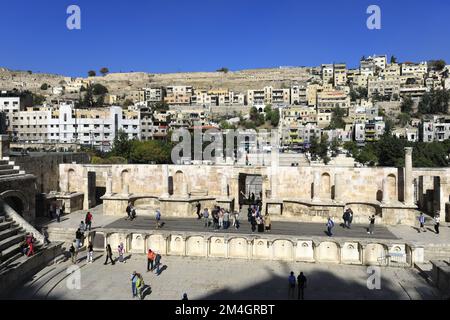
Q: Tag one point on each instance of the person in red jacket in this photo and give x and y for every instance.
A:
(88, 221)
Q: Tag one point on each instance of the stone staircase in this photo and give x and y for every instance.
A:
(11, 236)
(7, 168)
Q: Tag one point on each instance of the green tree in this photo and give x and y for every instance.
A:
(104, 71)
(393, 59)
(223, 69)
(403, 119)
(334, 146)
(127, 103)
(407, 105)
(437, 65)
(91, 73)
(44, 86)
(122, 146)
(337, 118)
(99, 89)
(151, 151)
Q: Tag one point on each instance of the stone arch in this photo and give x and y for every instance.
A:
(328, 251)
(392, 187)
(124, 180)
(237, 247)
(17, 200)
(283, 249)
(71, 181)
(373, 253)
(325, 185)
(195, 246)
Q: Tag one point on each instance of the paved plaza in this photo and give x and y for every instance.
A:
(221, 279)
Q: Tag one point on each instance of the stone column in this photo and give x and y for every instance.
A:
(443, 196)
(165, 181)
(126, 189)
(85, 192)
(338, 186)
(409, 194)
(316, 187)
(384, 188)
(184, 190)
(109, 185)
(224, 186)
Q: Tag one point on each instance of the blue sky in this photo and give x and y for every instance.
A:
(204, 35)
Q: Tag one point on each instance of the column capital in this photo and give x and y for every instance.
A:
(408, 150)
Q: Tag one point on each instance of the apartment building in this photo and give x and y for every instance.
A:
(268, 95)
(340, 74)
(299, 95)
(329, 99)
(9, 105)
(153, 127)
(297, 115)
(410, 134)
(327, 73)
(298, 134)
(415, 92)
(437, 129)
(385, 86)
(391, 70)
(94, 127)
(414, 69)
(369, 131)
(178, 95)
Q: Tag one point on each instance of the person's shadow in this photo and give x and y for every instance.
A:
(164, 267)
(147, 290)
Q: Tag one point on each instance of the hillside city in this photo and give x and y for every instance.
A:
(318, 112)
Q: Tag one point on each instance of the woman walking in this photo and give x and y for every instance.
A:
(267, 222)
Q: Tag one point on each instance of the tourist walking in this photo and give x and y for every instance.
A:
(185, 297)
(345, 217)
(422, 222)
(133, 212)
(121, 251)
(301, 282)
(330, 226)
(140, 286)
(58, 214)
(46, 236)
(128, 211)
(78, 238)
(72, 254)
(226, 219)
(236, 220)
(260, 224)
(82, 226)
(157, 263)
(215, 214)
(158, 218)
(371, 224)
(249, 213)
(350, 218)
(90, 253)
(206, 217)
(134, 278)
(150, 259)
(267, 222)
(88, 221)
(291, 286)
(253, 221)
(437, 220)
(109, 255)
(221, 214)
(198, 207)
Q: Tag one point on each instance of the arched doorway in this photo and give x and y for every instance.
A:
(15, 203)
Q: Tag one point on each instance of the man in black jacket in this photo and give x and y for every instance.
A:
(301, 281)
(109, 254)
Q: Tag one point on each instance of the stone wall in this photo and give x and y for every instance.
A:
(267, 247)
(45, 167)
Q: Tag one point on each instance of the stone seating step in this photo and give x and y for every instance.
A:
(4, 161)
(6, 225)
(11, 241)
(6, 167)
(8, 172)
(10, 252)
(10, 260)
(9, 232)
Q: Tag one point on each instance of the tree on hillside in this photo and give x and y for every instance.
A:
(223, 69)
(104, 71)
(437, 65)
(91, 73)
(407, 105)
(393, 59)
(44, 86)
(99, 89)
(435, 101)
(337, 120)
(121, 145)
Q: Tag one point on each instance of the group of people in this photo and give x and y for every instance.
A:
(220, 218)
(56, 211)
(348, 219)
(257, 220)
(131, 212)
(28, 245)
(137, 285)
(300, 282)
(436, 221)
(153, 261)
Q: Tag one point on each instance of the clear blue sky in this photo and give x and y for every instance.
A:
(204, 35)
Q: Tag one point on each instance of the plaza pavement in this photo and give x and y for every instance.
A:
(213, 279)
(407, 233)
